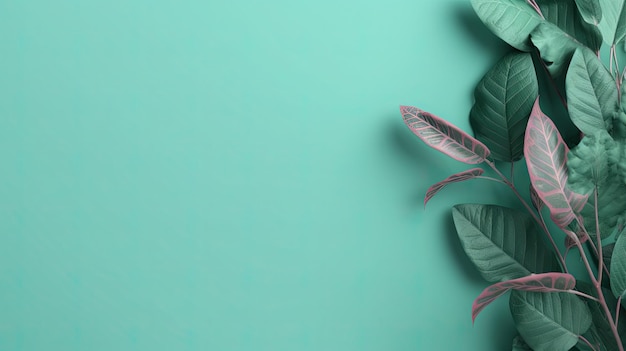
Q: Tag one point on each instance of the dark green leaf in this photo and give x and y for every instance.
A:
(601, 329)
(504, 99)
(503, 243)
(549, 321)
(590, 10)
(618, 268)
(566, 15)
(591, 93)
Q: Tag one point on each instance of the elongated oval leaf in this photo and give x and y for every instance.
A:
(592, 96)
(503, 101)
(590, 10)
(613, 21)
(545, 282)
(549, 321)
(459, 177)
(618, 268)
(511, 20)
(443, 136)
(546, 158)
(503, 243)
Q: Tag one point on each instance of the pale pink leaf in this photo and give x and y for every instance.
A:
(546, 158)
(459, 177)
(443, 136)
(544, 282)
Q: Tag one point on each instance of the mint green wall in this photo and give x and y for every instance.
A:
(235, 175)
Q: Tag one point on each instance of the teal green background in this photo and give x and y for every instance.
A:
(203, 175)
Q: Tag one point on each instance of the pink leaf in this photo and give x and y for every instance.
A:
(459, 177)
(569, 239)
(546, 157)
(443, 136)
(544, 282)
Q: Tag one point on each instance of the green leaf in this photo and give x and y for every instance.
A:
(565, 14)
(504, 99)
(601, 329)
(593, 164)
(511, 20)
(590, 10)
(592, 96)
(549, 321)
(613, 23)
(520, 345)
(503, 243)
(555, 46)
(618, 268)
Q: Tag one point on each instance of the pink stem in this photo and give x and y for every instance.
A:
(539, 221)
(583, 339)
(596, 284)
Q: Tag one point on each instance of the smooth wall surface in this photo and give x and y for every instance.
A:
(235, 175)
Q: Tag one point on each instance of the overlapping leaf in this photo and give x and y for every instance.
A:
(546, 158)
(592, 165)
(511, 20)
(443, 136)
(549, 321)
(545, 282)
(613, 23)
(592, 96)
(618, 268)
(590, 10)
(601, 329)
(503, 101)
(503, 243)
(459, 177)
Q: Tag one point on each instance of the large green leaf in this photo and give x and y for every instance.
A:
(593, 164)
(503, 243)
(613, 23)
(511, 20)
(590, 10)
(503, 101)
(618, 268)
(549, 321)
(592, 95)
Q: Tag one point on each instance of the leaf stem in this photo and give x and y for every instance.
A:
(619, 306)
(537, 218)
(576, 292)
(598, 236)
(596, 284)
(536, 7)
(583, 339)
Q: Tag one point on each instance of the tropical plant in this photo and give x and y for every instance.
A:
(583, 188)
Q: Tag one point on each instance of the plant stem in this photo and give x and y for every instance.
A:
(596, 284)
(583, 339)
(537, 219)
(598, 236)
(536, 7)
(619, 306)
(576, 292)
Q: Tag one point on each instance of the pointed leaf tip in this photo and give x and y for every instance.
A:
(546, 158)
(444, 136)
(458, 177)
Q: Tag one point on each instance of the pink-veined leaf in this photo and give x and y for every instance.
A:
(546, 158)
(544, 282)
(443, 136)
(459, 177)
(569, 239)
